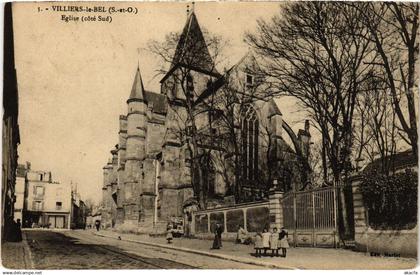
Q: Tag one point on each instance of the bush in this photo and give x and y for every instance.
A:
(391, 200)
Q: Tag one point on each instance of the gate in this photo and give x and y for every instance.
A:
(311, 217)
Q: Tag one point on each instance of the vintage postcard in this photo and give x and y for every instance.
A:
(210, 135)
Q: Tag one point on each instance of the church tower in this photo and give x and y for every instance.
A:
(191, 70)
(135, 150)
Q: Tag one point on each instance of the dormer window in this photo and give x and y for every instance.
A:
(249, 79)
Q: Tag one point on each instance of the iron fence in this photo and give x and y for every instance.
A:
(311, 212)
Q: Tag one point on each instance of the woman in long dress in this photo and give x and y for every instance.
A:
(217, 242)
(284, 244)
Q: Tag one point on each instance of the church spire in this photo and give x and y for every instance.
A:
(192, 50)
(137, 91)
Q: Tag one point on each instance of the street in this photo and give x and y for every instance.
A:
(83, 250)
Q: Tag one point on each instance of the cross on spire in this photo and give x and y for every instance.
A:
(192, 9)
(138, 59)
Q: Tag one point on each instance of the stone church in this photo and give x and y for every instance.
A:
(227, 123)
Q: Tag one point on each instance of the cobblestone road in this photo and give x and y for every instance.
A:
(82, 250)
(58, 250)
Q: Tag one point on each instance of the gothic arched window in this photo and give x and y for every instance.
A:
(250, 131)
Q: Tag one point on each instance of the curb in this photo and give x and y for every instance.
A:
(214, 255)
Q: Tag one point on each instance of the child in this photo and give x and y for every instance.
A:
(284, 244)
(274, 240)
(266, 240)
(169, 235)
(258, 245)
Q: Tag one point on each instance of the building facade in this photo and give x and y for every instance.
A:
(79, 211)
(21, 190)
(10, 130)
(48, 203)
(202, 123)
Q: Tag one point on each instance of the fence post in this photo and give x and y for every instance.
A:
(361, 217)
(313, 219)
(275, 206)
(335, 214)
(294, 220)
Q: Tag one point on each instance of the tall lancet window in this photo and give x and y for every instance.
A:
(250, 130)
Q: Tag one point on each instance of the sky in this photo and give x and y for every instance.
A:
(74, 78)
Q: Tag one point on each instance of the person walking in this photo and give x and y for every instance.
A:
(258, 245)
(219, 233)
(18, 230)
(274, 241)
(284, 244)
(217, 243)
(266, 240)
(169, 235)
(10, 230)
(97, 225)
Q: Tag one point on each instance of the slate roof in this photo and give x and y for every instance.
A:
(160, 104)
(137, 91)
(192, 48)
(400, 160)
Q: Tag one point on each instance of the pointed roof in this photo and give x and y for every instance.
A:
(192, 48)
(137, 91)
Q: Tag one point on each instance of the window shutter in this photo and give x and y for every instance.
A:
(43, 190)
(34, 205)
(34, 189)
(42, 206)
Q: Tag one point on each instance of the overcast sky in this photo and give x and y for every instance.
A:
(74, 78)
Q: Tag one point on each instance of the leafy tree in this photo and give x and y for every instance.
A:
(391, 201)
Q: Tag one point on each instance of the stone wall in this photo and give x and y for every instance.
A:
(380, 242)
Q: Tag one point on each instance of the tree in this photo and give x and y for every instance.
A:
(230, 97)
(315, 51)
(188, 53)
(90, 205)
(393, 28)
(375, 123)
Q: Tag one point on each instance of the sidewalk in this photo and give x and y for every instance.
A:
(16, 255)
(297, 258)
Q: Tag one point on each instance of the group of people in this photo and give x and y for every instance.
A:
(266, 240)
(271, 241)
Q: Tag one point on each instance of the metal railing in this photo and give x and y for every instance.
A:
(311, 211)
